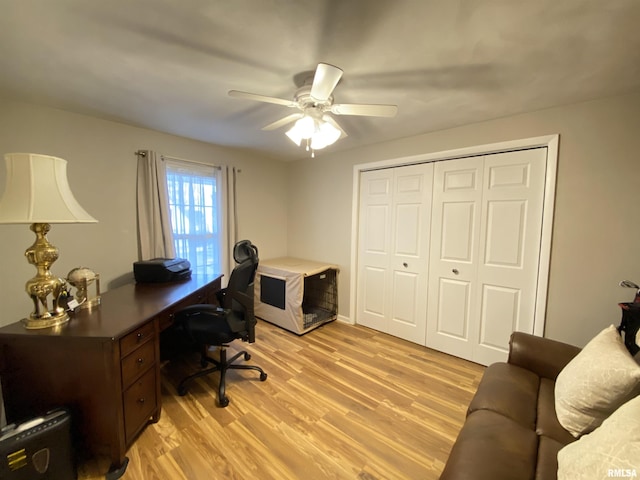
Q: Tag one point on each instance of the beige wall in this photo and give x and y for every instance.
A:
(304, 208)
(596, 230)
(102, 175)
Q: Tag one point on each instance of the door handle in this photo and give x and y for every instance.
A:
(405, 264)
(455, 271)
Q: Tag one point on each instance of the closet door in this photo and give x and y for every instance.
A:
(374, 248)
(457, 196)
(486, 232)
(511, 229)
(393, 251)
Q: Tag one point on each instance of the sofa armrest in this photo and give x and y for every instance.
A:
(543, 356)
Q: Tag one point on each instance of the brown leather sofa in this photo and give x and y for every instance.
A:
(511, 430)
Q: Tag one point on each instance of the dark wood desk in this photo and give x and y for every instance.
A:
(104, 364)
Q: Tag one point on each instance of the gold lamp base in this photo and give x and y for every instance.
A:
(52, 321)
(46, 313)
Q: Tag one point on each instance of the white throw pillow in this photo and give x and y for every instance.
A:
(611, 450)
(595, 383)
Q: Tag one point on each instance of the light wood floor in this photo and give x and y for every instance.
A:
(341, 402)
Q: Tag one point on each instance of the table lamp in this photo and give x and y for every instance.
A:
(37, 192)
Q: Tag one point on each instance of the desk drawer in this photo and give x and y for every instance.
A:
(136, 338)
(137, 362)
(165, 319)
(140, 403)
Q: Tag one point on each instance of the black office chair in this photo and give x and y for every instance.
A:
(208, 325)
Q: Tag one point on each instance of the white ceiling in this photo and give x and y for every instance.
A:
(168, 64)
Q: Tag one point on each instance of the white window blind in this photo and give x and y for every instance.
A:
(196, 214)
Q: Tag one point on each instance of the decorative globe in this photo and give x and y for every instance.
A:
(81, 276)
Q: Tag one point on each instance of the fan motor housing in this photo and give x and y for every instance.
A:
(304, 98)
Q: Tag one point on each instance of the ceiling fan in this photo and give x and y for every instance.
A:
(314, 100)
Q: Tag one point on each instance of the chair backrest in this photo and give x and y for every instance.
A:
(242, 276)
(245, 252)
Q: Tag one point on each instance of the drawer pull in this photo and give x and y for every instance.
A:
(140, 361)
(141, 401)
(139, 336)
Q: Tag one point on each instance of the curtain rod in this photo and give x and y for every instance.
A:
(167, 157)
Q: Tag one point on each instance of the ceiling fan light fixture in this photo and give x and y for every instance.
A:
(326, 135)
(317, 132)
(306, 126)
(294, 135)
(303, 129)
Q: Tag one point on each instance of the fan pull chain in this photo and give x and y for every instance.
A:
(309, 149)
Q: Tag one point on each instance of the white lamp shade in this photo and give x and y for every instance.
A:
(303, 129)
(37, 191)
(326, 135)
(294, 135)
(307, 126)
(319, 132)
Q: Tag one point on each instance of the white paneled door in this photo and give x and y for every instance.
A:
(486, 231)
(395, 212)
(457, 198)
(449, 252)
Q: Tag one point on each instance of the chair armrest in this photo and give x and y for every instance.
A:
(246, 300)
(542, 356)
(201, 309)
(220, 296)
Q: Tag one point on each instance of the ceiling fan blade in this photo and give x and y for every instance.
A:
(262, 98)
(324, 81)
(283, 121)
(364, 110)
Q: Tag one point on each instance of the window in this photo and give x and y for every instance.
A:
(195, 210)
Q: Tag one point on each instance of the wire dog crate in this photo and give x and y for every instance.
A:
(298, 295)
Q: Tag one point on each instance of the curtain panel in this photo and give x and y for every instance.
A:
(155, 239)
(230, 218)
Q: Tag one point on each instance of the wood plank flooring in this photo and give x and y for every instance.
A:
(341, 402)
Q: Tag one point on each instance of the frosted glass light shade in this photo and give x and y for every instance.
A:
(37, 191)
(326, 135)
(306, 126)
(294, 135)
(320, 132)
(303, 129)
